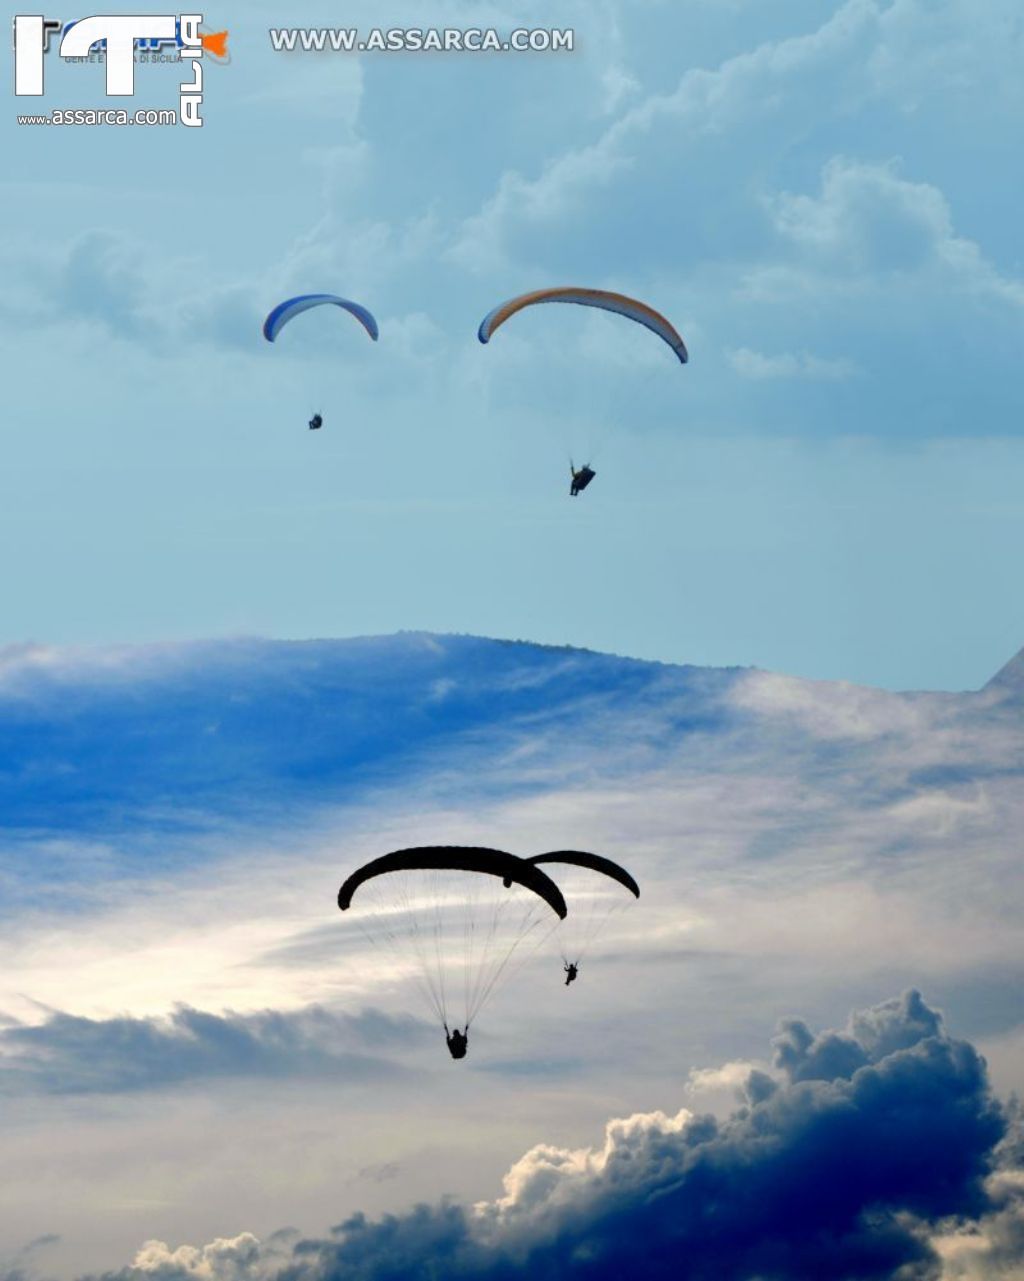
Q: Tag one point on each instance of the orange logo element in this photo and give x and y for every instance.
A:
(216, 42)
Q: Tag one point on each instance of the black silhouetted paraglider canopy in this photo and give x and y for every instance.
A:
(459, 920)
(459, 858)
(595, 862)
(593, 886)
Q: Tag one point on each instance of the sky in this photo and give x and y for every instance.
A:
(766, 661)
(822, 197)
(795, 1055)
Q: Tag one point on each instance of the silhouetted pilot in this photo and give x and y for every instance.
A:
(571, 972)
(580, 479)
(458, 1043)
(316, 422)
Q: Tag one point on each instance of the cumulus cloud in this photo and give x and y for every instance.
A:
(704, 106)
(871, 1036)
(868, 219)
(784, 191)
(729, 1076)
(991, 1248)
(872, 1154)
(758, 98)
(225, 1259)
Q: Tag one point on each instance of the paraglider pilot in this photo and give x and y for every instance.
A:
(458, 1042)
(571, 972)
(316, 422)
(580, 479)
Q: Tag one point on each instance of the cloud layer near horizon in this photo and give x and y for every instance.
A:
(866, 1152)
(71, 1055)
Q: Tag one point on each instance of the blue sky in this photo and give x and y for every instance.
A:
(821, 197)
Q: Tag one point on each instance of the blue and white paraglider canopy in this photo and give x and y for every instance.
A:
(292, 307)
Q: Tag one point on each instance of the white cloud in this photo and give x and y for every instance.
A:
(225, 1259)
(868, 219)
(705, 103)
(729, 1076)
(830, 709)
(756, 365)
(548, 1178)
(992, 1248)
(619, 86)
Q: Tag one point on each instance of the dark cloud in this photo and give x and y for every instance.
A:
(804, 1057)
(71, 1055)
(873, 1034)
(859, 1158)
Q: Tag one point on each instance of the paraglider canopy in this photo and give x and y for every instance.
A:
(595, 862)
(292, 307)
(631, 308)
(463, 858)
(594, 887)
(445, 914)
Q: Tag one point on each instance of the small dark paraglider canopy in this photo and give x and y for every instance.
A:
(459, 858)
(596, 863)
